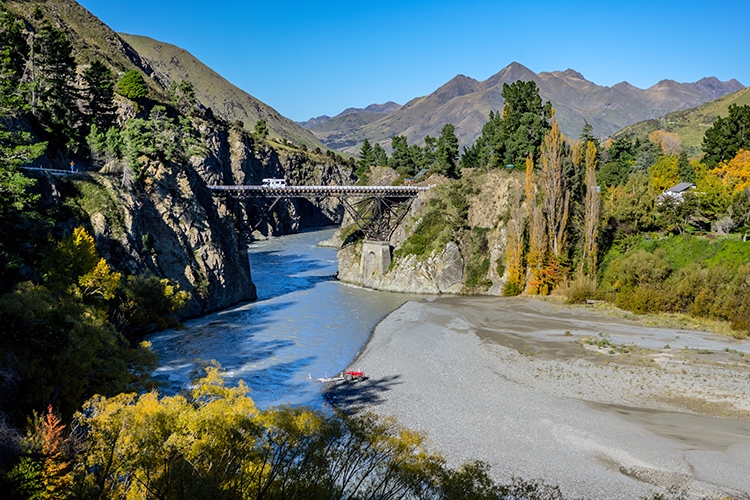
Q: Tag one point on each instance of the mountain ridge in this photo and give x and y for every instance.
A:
(466, 102)
(172, 63)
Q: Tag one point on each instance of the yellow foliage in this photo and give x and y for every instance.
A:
(530, 185)
(664, 174)
(735, 173)
(100, 281)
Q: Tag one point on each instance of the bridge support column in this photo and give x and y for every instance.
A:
(376, 258)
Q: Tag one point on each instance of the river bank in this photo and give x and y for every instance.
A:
(601, 406)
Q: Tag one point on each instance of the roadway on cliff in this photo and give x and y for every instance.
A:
(377, 210)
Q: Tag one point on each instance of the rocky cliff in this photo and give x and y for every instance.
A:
(169, 224)
(451, 241)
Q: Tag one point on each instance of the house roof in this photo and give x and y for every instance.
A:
(680, 188)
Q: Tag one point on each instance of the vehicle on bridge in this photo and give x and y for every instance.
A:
(274, 183)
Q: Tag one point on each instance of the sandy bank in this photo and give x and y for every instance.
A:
(603, 407)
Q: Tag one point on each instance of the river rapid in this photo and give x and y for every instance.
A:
(304, 322)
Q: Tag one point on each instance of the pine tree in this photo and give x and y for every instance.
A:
(366, 158)
(687, 173)
(99, 94)
(261, 129)
(446, 155)
(525, 119)
(14, 51)
(56, 91)
(381, 157)
(132, 86)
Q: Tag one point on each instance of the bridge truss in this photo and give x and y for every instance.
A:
(377, 210)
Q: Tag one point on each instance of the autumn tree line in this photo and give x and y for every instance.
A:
(591, 217)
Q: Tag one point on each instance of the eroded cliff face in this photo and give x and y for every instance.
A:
(471, 261)
(168, 223)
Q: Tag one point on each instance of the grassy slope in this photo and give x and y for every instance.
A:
(213, 91)
(690, 124)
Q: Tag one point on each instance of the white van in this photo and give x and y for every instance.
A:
(275, 183)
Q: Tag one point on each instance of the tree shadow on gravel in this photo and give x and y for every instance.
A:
(353, 396)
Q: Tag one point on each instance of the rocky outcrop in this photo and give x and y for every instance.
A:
(450, 268)
(439, 273)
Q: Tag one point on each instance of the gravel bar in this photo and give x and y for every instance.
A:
(602, 407)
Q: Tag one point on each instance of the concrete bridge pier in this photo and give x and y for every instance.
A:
(376, 258)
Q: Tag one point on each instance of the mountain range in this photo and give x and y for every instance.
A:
(689, 124)
(463, 101)
(466, 103)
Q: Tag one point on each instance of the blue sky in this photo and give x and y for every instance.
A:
(308, 58)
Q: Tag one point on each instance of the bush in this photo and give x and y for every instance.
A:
(132, 86)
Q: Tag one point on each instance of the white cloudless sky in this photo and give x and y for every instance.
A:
(307, 59)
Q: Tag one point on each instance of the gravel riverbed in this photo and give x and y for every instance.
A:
(601, 406)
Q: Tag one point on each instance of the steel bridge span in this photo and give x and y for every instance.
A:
(377, 210)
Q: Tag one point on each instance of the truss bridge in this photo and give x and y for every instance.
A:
(377, 210)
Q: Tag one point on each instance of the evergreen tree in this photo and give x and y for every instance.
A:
(99, 94)
(366, 158)
(429, 151)
(525, 120)
(56, 91)
(261, 129)
(16, 150)
(132, 86)
(401, 159)
(446, 156)
(687, 173)
(381, 157)
(14, 52)
(182, 96)
(727, 136)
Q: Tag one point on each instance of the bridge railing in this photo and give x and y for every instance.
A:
(319, 191)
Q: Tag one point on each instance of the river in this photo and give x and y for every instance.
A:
(304, 322)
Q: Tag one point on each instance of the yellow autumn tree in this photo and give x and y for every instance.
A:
(735, 173)
(664, 174)
(213, 443)
(553, 183)
(514, 247)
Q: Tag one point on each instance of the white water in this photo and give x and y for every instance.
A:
(304, 322)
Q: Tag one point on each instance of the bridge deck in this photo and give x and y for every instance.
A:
(318, 191)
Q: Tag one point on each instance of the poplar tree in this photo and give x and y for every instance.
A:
(591, 215)
(554, 188)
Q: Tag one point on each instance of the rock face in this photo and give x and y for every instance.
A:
(446, 269)
(170, 225)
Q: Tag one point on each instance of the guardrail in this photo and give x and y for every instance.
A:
(52, 171)
(307, 191)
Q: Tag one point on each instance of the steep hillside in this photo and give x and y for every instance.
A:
(466, 102)
(91, 39)
(172, 63)
(149, 210)
(690, 125)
